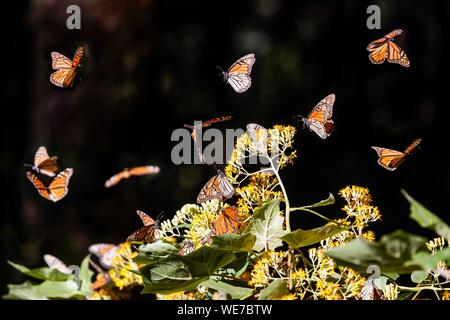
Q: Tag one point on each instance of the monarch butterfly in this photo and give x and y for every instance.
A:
(319, 119)
(43, 163)
(391, 159)
(126, 173)
(102, 278)
(105, 252)
(370, 292)
(149, 232)
(218, 187)
(227, 221)
(186, 247)
(196, 132)
(57, 189)
(238, 75)
(258, 135)
(386, 49)
(55, 263)
(66, 69)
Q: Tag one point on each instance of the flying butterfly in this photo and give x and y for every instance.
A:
(66, 69)
(238, 75)
(105, 252)
(55, 263)
(43, 163)
(386, 49)
(127, 173)
(391, 159)
(218, 187)
(57, 189)
(227, 221)
(196, 132)
(259, 136)
(149, 232)
(319, 119)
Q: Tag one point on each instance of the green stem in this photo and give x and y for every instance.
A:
(286, 199)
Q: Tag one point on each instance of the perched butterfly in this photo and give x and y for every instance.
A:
(196, 132)
(186, 247)
(105, 252)
(391, 159)
(126, 173)
(386, 49)
(319, 120)
(259, 136)
(57, 189)
(55, 263)
(66, 69)
(218, 187)
(43, 163)
(238, 75)
(370, 292)
(149, 232)
(227, 221)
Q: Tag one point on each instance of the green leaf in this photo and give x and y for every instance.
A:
(234, 242)
(153, 252)
(425, 218)
(302, 238)
(430, 261)
(41, 273)
(24, 291)
(267, 226)
(86, 277)
(393, 253)
(276, 289)
(419, 276)
(236, 290)
(183, 273)
(238, 266)
(329, 201)
(44, 291)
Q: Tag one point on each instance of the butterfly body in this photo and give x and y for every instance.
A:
(43, 163)
(238, 75)
(386, 49)
(319, 119)
(57, 189)
(392, 159)
(218, 187)
(66, 69)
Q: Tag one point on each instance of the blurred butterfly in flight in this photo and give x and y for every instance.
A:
(57, 189)
(55, 263)
(218, 187)
(386, 49)
(43, 163)
(319, 119)
(238, 75)
(149, 232)
(105, 252)
(126, 173)
(66, 69)
(392, 159)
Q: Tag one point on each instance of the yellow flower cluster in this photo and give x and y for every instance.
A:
(121, 266)
(437, 244)
(181, 295)
(267, 267)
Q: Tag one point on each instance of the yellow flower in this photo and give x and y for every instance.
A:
(445, 295)
(328, 290)
(100, 294)
(436, 244)
(261, 274)
(390, 292)
(121, 266)
(290, 296)
(181, 295)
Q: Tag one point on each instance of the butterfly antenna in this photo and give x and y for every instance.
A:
(28, 165)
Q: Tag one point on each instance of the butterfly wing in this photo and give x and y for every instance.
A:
(218, 187)
(115, 179)
(45, 164)
(397, 55)
(63, 78)
(259, 136)
(105, 252)
(388, 158)
(215, 120)
(146, 234)
(43, 190)
(146, 219)
(319, 120)
(240, 82)
(370, 292)
(227, 222)
(238, 75)
(60, 61)
(55, 263)
(143, 170)
(187, 247)
(40, 156)
(58, 188)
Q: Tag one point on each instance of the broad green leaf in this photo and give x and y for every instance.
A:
(276, 289)
(329, 201)
(430, 261)
(425, 218)
(236, 290)
(393, 253)
(44, 291)
(234, 242)
(153, 252)
(183, 273)
(24, 291)
(302, 238)
(267, 226)
(238, 266)
(380, 282)
(41, 273)
(419, 276)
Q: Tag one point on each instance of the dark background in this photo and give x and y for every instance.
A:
(150, 68)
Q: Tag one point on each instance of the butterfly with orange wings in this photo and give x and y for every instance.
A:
(196, 132)
(238, 75)
(66, 69)
(43, 163)
(391, 159)
(149, 232)
(227, 222)
(105, 253)
(57, 189)
(319, 120)
(126, 173)
(386, 49)
(218, 187)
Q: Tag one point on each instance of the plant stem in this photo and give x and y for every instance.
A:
(286, 199)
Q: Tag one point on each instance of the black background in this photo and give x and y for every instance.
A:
(150, 68)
